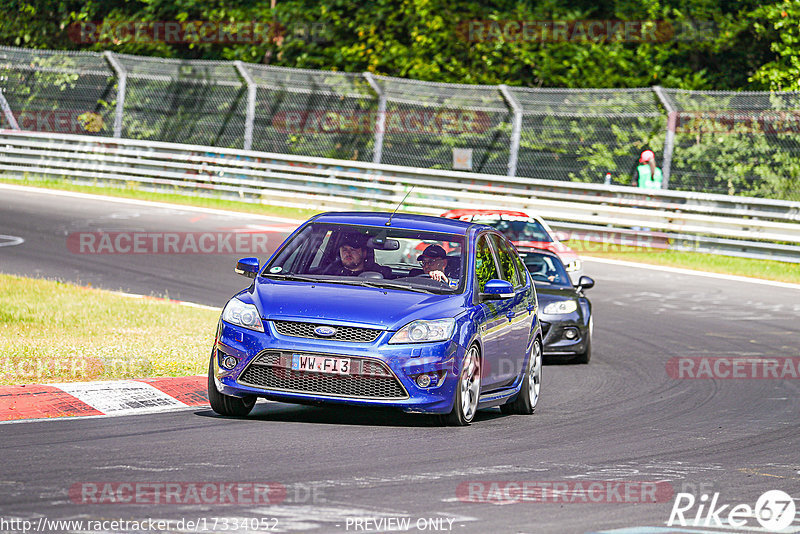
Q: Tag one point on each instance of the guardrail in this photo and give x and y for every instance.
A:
(731, 225)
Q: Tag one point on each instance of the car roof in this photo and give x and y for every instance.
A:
(405, 221)
(455, 214)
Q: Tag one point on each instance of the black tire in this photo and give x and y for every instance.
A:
(225, 404)
(468, 390)
(528, 397)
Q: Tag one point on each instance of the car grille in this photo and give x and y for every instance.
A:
(369, 379)
(352, 334)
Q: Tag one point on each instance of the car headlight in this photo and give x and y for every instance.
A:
(242, 314)
(425, 331)
(560, 308)
(574, 265)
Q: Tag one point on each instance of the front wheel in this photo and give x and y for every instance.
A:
(468, 390)
(528, 396)
(225, 404)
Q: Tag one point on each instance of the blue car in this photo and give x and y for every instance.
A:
(423, 314)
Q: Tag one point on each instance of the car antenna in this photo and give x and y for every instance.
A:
(389, 222)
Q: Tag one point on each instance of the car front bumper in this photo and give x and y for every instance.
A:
(555, 340)
(380, 374)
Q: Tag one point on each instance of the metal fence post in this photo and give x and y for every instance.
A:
(251, 104)
(380, 123)
(122, 81)
(516, 129)
(7, 111)
(669, 141)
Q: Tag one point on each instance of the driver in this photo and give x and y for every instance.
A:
(434, 263)
(354, 258)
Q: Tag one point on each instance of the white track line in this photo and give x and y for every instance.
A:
(678, 270)
(151, 203)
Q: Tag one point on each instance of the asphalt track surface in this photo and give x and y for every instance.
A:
(620, 418)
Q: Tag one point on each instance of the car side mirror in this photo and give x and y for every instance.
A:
(497, 290)
(585, 283)
(247, 267)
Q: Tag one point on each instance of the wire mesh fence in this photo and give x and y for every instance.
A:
(743, 143)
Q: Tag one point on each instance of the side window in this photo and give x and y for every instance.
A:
(508, 263)
(485, 268)
(523, 271)
(519, 273)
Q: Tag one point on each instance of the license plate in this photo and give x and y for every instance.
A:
(320, 364)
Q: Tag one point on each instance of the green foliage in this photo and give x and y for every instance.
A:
(690, 44)
(779, 24)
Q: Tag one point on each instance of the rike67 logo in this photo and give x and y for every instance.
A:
(774, 511)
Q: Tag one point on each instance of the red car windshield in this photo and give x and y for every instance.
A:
(516, 228)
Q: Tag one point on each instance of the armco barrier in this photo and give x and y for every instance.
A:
(731, 225)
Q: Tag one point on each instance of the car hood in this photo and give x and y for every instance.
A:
(548, 294)
(387, 309)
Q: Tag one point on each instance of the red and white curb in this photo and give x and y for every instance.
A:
(110, 398)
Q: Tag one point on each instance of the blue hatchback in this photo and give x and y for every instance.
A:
(424, 314)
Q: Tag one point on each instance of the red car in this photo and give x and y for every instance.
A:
(525, 232)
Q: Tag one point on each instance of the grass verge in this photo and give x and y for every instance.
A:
(765, 269)
(56, 332)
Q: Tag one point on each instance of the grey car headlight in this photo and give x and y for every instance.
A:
(425, 331)
(560, 308)
(242, 314)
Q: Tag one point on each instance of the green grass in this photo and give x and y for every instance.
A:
(766, 269)
(56, 332)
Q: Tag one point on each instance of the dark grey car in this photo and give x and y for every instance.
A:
(565, 312)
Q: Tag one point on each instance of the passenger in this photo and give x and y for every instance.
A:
(355, 258)
(435, 264)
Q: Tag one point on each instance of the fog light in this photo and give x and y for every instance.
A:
(570, 333)
(229, 362)
(423, 381)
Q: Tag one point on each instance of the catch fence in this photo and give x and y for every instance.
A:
(733, 143)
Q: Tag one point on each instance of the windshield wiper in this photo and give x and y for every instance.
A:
(294, 277)
(375, 283)
(378, 283)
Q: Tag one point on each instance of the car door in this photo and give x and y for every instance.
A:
(516, 310)
(494, 325)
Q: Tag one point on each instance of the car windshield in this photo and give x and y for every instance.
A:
(546, 269)
(516, 228)
(371, 256)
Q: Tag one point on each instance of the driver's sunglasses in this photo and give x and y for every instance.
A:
(428, 261)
